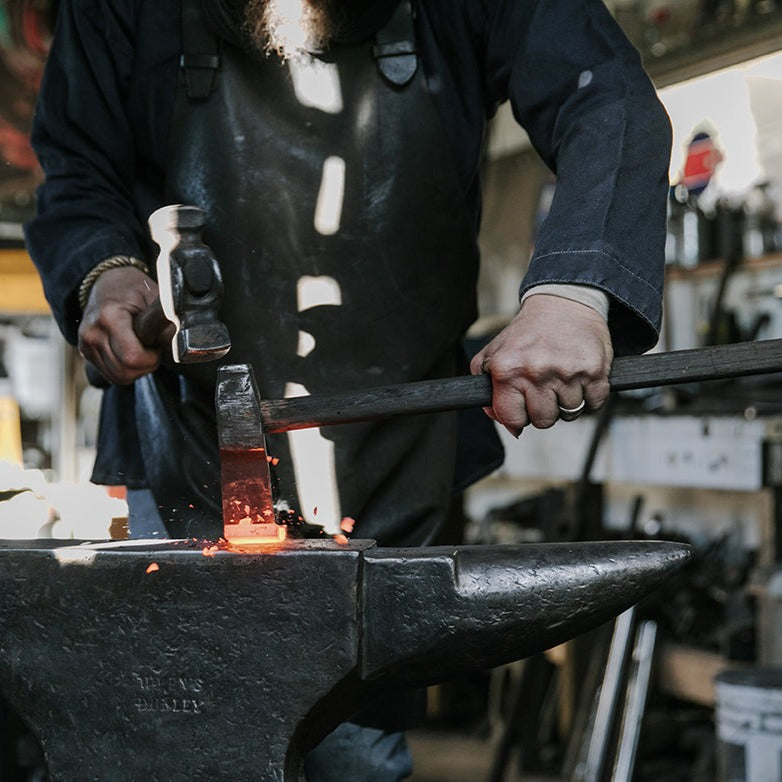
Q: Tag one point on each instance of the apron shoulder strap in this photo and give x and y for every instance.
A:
(395, 46)
(199, 62)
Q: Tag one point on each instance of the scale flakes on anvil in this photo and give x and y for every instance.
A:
(248, 508)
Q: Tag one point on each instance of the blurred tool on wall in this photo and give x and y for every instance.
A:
(10, 422)
(25, 35)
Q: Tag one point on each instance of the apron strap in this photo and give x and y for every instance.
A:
(200, 58)
(395, 47)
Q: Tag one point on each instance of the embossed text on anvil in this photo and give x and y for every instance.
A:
(171, 705)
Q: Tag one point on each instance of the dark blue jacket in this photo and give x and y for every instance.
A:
(574, 82)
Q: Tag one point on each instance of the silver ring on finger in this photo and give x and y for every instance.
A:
(571, 413)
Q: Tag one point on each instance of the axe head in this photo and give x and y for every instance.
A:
(248, 509)
(190, 284)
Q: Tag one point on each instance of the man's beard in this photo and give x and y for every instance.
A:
(292, 27)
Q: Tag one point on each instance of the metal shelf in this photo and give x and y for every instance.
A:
(722, 50)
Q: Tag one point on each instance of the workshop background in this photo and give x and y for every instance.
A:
(653, 695)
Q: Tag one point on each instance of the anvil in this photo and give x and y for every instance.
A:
(156, 661)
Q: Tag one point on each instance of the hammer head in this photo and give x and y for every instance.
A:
(190, 284)
(248, 510)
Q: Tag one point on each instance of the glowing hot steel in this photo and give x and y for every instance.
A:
(248, 513)
(244, 546)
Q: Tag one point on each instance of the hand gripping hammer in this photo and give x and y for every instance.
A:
(190, 287)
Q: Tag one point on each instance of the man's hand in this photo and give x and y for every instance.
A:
(106, 336)
(556, 353)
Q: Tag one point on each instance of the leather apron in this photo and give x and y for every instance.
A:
(391, 281)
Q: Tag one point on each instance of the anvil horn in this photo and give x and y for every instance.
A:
(449, 610)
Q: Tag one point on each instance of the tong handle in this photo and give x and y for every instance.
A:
(431, 396)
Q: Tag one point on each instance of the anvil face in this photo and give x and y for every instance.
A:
(189, 671)
(155, 661)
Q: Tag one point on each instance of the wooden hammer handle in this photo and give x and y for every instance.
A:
(149, 324)
(430, 396)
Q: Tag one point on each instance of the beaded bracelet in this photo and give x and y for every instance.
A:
(115, 262)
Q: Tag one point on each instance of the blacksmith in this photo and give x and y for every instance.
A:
(335, 146)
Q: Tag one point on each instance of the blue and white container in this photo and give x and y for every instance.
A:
(749, 725)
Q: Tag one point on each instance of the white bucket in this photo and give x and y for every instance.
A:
(749, 725)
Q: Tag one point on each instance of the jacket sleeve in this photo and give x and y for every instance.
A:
(81, 134)
(577, 86)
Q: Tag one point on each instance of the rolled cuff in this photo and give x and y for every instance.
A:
(583, 294)
(635, 305)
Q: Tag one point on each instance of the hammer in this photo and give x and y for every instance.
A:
(243, 419)
(191, 290)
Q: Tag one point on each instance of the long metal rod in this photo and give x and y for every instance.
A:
(608, 699)
(431, 396)
(637, 689)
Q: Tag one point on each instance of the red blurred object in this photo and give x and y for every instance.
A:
(703, 157)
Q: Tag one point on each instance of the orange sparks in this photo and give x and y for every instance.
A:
(210, 551)
(347, 524)
(153, 567)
